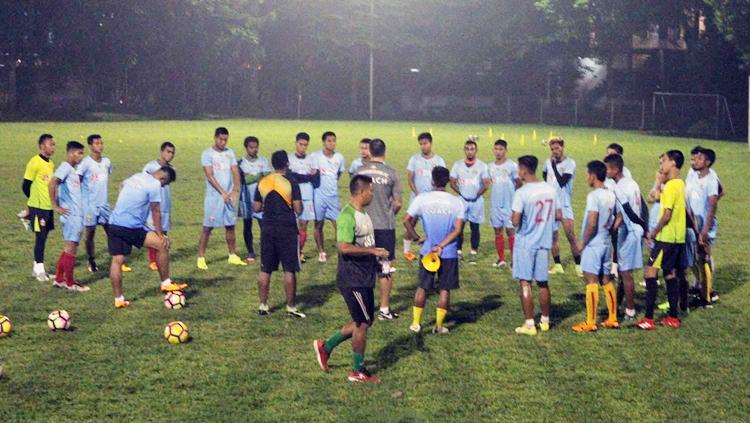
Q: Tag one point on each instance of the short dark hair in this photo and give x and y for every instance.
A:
(615, 160)
(92, 137)
(377, 147)
(697, 149)
(440, 176)
(617, 147)
(165, 145)
(169, 170)
(677, 157)
(221, 131)
(502, 143)
(597, 168)
(358, 182)
(425, 136)
(74, 145)
(710, 155)
(44, 137)
(250, 139)
(470, 142)
(302, 136)
(327, 134)
(529, 162)
(279, 160)
(556, 140)
(365, 141)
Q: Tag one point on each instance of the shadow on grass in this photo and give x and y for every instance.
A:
(561, 311)
(469, 312)
(193, 291)
(399, 348)
(314, 296)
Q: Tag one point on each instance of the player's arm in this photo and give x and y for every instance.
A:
(410, 179)
(662, 222)
(633, 216)
(516, 218)
(486, 183)
(713, 201)
(562, 179)
(653, 195)
(52, 187)
(454, 185)
(156, 217)
(28, 179)
(26, 187)
(410, 224)
(296, 199)
(345, 234)
(722, 192)
(258, 202)
(208, 170)
(396, 201)
(236, 184)
(590, 231)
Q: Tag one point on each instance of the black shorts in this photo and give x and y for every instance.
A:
(279, 244)
(121, 240)
(666, 256)
(447, 276)
(41, 220)
(386, 238)
(361, 304)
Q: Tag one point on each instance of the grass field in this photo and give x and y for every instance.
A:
(116, 366)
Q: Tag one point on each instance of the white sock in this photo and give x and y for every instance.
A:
(166, 282)
(291, 308)
(544, 319)
(385, 310)
(263, 306)
(530, 323)
(630, 312)
(407, 245)
(120, 298)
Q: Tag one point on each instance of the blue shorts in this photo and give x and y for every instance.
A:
(217, 213)
(691, 241)
(474, 212)
(596, 258)
(93, 216)
(701, 220)
(567, 214)
(246, 211)
(500, 217)
(166, 222)
(308, 211)
(530, 265)
(630, 250)
(326, 208)
(72, 227)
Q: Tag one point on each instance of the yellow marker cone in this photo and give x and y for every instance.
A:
(550, 135)
(502, 135)
(431, 262)
(413, 131)
(430, 131)
(596, 140)
(533, 135)
(523, 139)
(490, 132)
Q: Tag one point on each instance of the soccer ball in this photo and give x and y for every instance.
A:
(174, 299)
(58, 320)
(5, 326)
(176, 333)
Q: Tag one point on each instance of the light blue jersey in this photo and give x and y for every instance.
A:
(568, 166)
(134, 201)
(330, 168)
(303, 166)
(166, 200)
(537, 201)
(698, 190)
(221, 163)
(504, 177)
(438, 212)
(69, 190)
(627, 191)
(601, 201)
(356, 164)
(95, 180)
(422, 169)
(253, 167)
(470, 179)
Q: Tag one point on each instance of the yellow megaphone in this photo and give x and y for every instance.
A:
(431, 262)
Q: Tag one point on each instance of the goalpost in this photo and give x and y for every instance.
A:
(692, 114)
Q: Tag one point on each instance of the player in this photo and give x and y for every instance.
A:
(36, 177)
(302, 171)
(94, 171)
(419, 176)
(559, 172)
(355, 277)
(165, 159)
(280, 201)
(139, 194)
(222, 192)
(364, 156)
(630, 229)
(596, 247)
(535, 210)
(504, 176)
(615, 148)
(253, 168)
(669, 245)
(441, 215)
(386, 202)
(470, 179)
(65, 195)
(330, 164)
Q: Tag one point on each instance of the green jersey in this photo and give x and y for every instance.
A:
(355, 271)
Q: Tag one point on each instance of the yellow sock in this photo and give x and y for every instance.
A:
(610, 294)
(592, 298)
(417, 312)
(440, 316)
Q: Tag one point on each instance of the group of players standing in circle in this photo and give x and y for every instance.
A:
(295, 189)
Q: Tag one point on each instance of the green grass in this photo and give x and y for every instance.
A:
(116, 365)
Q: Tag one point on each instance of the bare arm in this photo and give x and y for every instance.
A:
(411, 232)
(516, 218)
(296, 205)
(236, 185)
(52, 187)
(486, 183)
(454, 185)
(713, 201)
(662, 222)
(590, 230)
(355, 250)
(410, 178)
(214, 183)
(156, 217)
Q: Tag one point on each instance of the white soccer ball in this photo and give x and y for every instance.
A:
(174, 300)
(59, 320)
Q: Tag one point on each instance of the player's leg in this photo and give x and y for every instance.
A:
(359, 344)
(499, 246)
(284, 241)
(42, 222)
(460, 238)
(90, 233)
(290, 287)
(231, 238)
(475, 237)
(318, 235)
(302, 239)
(527, 306)
(202, 245)
(323, 348)
(247, 236)
(426, 282)
(540, 274)
(386, 238)
(447, 276)
(269, 263)
(444, 296)
(557, 266)
(264, 285)
(570, 233)
(591, 281)
(115, 275)
(511, 234)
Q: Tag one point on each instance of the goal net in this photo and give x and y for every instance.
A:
(691, 114)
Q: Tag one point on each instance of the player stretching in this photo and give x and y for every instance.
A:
(65, 194)
(364, 156)
(165, 159)
(559, 172)
(596, 247)
(535, 210)
(669, 245)
(630, 232)
(355, 277)
(252, 169)
(504, 176)
(95, 170)
(36, 177)
(419, 175)
(302, 171)
(330, 164)
(222, 192)
(441, 215)
(139, 194)
(470, 179)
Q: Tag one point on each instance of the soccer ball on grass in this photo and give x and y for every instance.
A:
(58, 320)
(176, 333)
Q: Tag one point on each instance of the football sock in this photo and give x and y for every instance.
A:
(673, 295)
(544, 319)
(557, 259)
(417, 315)
(121, 298)
(511, 242)
(358, 361)
(166, 282)
(334, 341)
(40, 239)
(500, 245)
(247, 234)
(70, 264)
(151, 255)
(683, 283)
(592, 298)
(577, 259)
(385, 310)
(440, 316)
(407, 245)
(630, 312)
(474, 229)
(60, 268)
(610, 296)
(620, 292)
(530, 323)
(651, 291)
